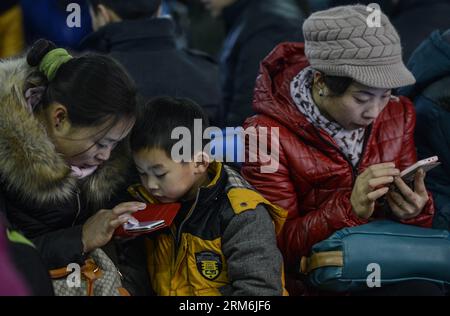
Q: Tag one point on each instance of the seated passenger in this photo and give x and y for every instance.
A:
(144, 42)
(430, 64)
(344, 138)
(61, 119)
(223, 239)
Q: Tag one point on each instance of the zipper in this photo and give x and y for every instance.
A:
(177, 241)
(177, 236)
(79, 207)
(174, 255)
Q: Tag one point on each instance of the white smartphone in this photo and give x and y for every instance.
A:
(142, 226)
(427, 164)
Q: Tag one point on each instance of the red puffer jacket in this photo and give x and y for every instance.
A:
(314, 180)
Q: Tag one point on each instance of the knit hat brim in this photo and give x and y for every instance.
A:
(340, 42)
(374, 76)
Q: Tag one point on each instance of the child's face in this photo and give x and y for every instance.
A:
(165, 179)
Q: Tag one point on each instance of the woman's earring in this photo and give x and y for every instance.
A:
(321, 92)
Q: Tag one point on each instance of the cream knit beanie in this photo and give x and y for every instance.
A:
(340, 42)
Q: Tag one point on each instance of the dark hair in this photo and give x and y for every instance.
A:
(158, 118)
(93, 88)
(130, 9)
(337, 85)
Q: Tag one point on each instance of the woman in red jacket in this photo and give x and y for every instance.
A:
(343, 137)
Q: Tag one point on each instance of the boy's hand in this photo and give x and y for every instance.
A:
(99, 228)
(409, 203)
(370, 185)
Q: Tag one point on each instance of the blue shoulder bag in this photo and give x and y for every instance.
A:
(386, 252)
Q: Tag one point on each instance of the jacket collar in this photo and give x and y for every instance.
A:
(135, 35)
(30, 167)
(272, 91)
(210, 192)
(273, 98)
(222, 177)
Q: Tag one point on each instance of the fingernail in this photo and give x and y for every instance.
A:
(124, 218)
(141, 206)
(133, 220)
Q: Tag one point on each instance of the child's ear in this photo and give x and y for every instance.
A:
(201, 162)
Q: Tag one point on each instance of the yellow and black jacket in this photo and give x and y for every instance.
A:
(225, 245)
(12, 37)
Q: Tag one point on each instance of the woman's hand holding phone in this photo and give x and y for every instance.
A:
(409, 202)
(405, 192)
(99, 228)
(371, 185)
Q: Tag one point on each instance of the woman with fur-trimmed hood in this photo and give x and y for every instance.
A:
(60, 119)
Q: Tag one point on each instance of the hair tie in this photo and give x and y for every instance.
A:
(52, 61)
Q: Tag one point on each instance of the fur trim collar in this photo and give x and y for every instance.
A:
(29, 164)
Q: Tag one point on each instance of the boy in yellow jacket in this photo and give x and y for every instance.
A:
(223, 240)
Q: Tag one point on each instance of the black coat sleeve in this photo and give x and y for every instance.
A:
(61, 247)
(28, 262)
(52, 228)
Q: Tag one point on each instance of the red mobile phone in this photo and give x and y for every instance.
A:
(152, 218)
